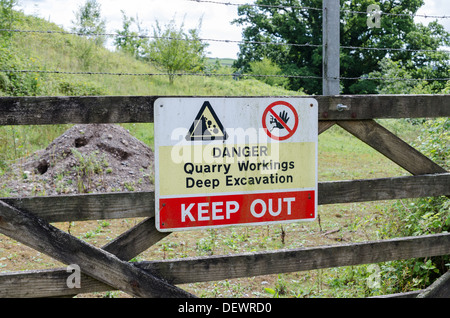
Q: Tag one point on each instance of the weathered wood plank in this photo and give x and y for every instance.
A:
(391, 146)
(325, 125)
(136, 240)
(85, 207)
(139, 109)
(411, 294)
(95, 262)
(190, 270)
(75, 110)
(46, 283)
(246, 265)
(384, 189)
(141, 204)
(383, 106)
(51, 283)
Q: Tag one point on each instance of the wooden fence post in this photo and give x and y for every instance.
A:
(331, 47)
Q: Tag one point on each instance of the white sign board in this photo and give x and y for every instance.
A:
(234, 161)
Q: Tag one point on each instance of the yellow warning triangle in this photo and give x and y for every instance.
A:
(206, 125)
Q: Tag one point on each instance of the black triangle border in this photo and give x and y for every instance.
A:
(197, 118)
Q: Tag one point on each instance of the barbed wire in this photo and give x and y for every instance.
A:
(438, 79)
(392, 49)
(143, 36)
(219, 40)
(234, 75)
(412, 15)
(158, 74)
(275, 6)
(320, 9)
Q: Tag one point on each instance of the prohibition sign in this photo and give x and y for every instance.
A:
(286, 121)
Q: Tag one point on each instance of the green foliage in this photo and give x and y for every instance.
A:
(403, 81)
(18, 83)
(392, 69)
(267, 67)
(74, 88)
(421, 217)
(435, 141)
(7, 17)
(175, 50)
(87, 166)
(13, 83)
(88, 21)
(130, 41)
(267, 23)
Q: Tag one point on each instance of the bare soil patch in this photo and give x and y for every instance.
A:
(85, 159)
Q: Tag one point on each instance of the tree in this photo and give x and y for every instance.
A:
(6, 19)
(176, 51)
(291, 22)
(88, 21)
(130, 41)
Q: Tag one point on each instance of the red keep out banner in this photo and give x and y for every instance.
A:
(191, 212)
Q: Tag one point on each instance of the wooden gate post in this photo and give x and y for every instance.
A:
(331, 44)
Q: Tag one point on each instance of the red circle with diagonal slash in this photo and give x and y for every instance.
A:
(269, 110)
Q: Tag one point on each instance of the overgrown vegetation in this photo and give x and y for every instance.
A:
(421, 217)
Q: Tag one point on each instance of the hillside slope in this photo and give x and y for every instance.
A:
(70, 53)
(37, 49)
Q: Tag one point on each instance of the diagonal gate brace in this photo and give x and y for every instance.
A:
(126, 246)
(95, 262)
(391, 146)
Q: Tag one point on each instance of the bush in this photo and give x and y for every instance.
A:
(16, 83)
(272, 70)
(421, 217)
(72, 88)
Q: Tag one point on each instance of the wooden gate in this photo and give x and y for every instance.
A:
(28, 219)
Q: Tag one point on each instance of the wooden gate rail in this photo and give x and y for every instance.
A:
(27, 219)
(139, 109)
(214, 268)
(85, 207)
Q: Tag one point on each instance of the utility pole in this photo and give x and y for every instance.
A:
(331, 47)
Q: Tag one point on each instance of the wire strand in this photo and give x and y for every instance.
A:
(445, 79)
(391, 49)
(219, 40)
(279, 6)
(158, 74)
(412, 15)
(235, 75)
(320, 9)
(158, 37)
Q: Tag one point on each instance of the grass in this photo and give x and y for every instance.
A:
(335, 145)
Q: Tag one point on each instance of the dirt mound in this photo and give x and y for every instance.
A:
(86, 159)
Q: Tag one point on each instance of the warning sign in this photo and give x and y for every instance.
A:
(234, 161)
(280, 119)
(206, 125)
